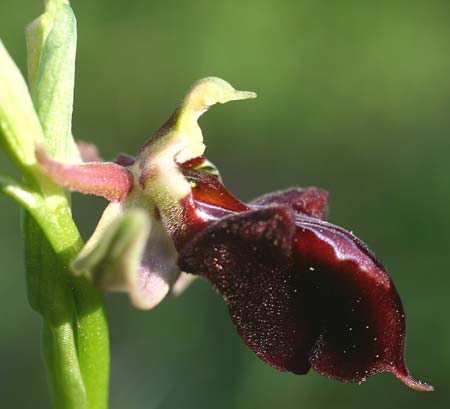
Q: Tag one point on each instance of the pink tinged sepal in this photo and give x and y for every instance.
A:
(106, 179)
(304, 293)
(131, 253)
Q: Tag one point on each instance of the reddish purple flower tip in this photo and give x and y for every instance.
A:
(302, 293)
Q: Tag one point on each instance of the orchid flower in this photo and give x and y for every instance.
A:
(302, 293)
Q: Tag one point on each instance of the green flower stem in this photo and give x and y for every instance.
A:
(62, 366)
(75, 335)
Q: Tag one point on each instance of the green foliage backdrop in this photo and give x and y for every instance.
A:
(354, 96)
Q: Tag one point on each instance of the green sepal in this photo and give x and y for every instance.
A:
(179, 140)
(112, 257)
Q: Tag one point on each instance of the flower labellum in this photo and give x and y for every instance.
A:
(301, 292)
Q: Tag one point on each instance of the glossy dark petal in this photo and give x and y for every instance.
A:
(209, 201)
(208, 189)
(357, 309)
(311, 200)
(302, 292)
(193, 163)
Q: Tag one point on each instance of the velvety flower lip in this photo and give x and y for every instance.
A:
(302, 293)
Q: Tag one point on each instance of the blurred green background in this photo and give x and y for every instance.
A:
(354, 97)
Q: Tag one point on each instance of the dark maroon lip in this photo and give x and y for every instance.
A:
(302, 292)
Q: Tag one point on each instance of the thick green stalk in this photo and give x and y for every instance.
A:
(48, 281)
(75, 334)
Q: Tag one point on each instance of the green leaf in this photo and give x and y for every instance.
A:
(51, 46)
(20, 128)
(35, 35)
(52, 214)
(19, 192)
